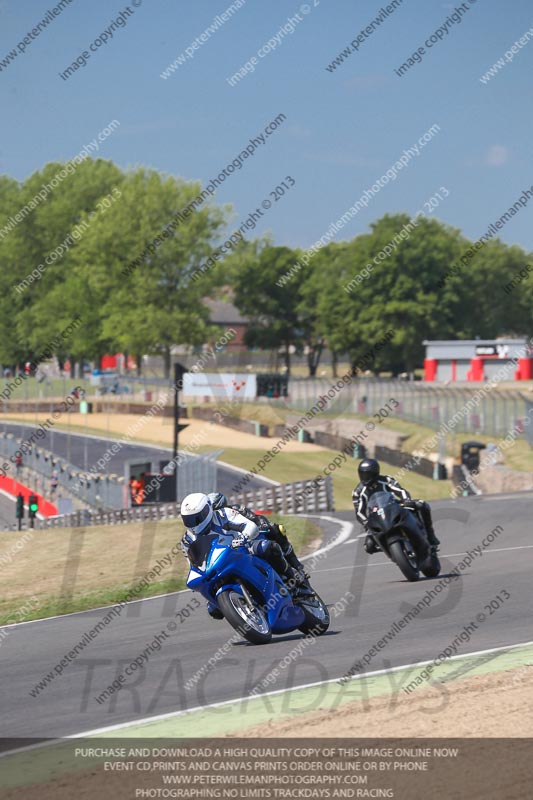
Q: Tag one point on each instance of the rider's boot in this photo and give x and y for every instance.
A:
(432, 538)
(427, 521)
(300, 578)
(297, 583)
(294, 562)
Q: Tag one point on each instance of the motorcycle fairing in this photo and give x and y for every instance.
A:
(216, 568)
(389, 522)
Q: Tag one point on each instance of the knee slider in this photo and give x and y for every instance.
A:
(267, 549)
(274, 550)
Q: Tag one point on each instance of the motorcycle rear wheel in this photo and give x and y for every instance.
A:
(408, 565)
(252, 625)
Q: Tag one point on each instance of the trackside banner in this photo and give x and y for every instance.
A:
(231, 386)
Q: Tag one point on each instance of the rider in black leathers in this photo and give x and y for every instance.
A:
(371, 481)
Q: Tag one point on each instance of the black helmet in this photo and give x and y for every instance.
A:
(368, 470)
(218, 500)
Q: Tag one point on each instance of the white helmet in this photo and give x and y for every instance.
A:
(196, 512)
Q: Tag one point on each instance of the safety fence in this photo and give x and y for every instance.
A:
(196, 470)
(289, 498)
(492, 411)
(420, 465)
(98, 490)
(298, 497)
(84, 518)
(46, 469)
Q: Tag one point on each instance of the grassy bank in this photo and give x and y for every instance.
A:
(288, 467)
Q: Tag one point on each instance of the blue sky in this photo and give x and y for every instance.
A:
(343, 130)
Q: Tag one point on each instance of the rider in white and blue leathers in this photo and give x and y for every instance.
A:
(199, 517)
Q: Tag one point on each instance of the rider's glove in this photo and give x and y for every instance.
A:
(239, 540)
(263, 524)
(186, 542)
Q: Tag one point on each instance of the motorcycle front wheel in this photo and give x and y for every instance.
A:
(405, 559)
(251, 623)
(316, 615)
(431, 567)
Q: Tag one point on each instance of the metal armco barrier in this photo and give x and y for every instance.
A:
(82, 519)
(422, 466)
(309, 497)
(299, 497)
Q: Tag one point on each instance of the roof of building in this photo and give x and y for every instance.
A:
(225, 313)
(503, 340)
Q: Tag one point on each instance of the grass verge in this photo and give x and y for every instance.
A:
(288, 467)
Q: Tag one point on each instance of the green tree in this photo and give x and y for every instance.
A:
(319, 289)
(359, 299)
(40, 257)
(494, 302)
(12, 349)
(275, 321)
(150, 293)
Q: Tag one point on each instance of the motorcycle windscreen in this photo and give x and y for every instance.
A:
(200, 549)
(384, 511)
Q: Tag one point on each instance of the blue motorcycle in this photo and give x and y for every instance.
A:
(250, 593)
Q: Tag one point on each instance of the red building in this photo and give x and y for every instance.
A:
(477, 359)
(226, 316)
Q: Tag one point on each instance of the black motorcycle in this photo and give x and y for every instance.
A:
(397, 530)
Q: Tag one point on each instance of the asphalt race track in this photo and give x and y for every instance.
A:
(67, 704)
(86, 450)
